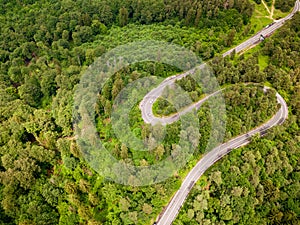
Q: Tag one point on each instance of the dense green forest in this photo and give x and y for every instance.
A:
(46, 46)
(259, 183)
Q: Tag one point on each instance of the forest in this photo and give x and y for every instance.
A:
(45, 48)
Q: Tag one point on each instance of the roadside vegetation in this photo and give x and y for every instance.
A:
(258, 183)
(46, 46)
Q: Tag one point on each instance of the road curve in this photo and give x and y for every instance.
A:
(213, 156)
(170, 212)
(147, 102)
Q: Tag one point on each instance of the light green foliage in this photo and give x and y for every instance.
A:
(46, 46)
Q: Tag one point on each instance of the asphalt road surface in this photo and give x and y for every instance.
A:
(265, 32)
(213, 156)
(170, 212)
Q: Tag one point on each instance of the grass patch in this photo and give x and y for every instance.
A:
(260, 17)
(268, 84)
(263, 61)
(260, 10)
(259, 23)
(278, 14)
(251, 51)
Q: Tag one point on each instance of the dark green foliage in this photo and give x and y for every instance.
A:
(260, 183)
(45, 47)
(284, 5)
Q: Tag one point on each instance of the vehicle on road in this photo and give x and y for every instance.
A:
(171, 211)
(270, 24)
(261, 38)
(262, 133)
(191, 184)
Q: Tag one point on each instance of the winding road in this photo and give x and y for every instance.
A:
(170, 212)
